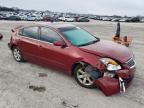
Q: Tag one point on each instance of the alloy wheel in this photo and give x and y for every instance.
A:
(84, 78)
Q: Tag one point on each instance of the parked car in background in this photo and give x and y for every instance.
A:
(106, 19)
(31, 18)
(96, 18)
(1, 17)
(134, 19)
(82, 19)
(16, 18)
(66, 19)
(48, 18)
(115, 19)
(92, 61)
(23, 17)
(142, 20)
(124, 20)
(34, 18)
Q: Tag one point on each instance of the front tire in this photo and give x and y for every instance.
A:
(82, 77)
(17, 54)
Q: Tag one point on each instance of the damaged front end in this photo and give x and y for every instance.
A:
(115, 81)
(112, 85)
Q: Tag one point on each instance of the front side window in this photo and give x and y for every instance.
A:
(31, 32)
(49, 35)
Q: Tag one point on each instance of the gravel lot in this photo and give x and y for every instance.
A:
(61, 91)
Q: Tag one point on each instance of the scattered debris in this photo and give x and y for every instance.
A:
(69, 105)
(42, 75)
(36, 88)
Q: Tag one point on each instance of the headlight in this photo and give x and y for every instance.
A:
(111, 64)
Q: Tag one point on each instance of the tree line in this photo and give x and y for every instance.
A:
(6, 9)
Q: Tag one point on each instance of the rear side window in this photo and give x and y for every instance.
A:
(49, 35)
(31, 32)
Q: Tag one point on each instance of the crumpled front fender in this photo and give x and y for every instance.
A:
(108, 85)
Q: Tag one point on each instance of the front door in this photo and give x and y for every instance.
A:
(50, 54)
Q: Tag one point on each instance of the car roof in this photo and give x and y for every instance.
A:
(61, 25)
(52, 25)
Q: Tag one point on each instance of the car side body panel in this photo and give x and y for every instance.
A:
(29, 48)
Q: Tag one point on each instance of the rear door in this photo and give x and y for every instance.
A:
(28, 43)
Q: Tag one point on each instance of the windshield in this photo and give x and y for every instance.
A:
(78, 36)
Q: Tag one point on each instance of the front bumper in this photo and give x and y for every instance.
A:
(110, 85)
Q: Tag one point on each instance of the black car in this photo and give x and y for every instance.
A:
(134, 19)
(17, 18)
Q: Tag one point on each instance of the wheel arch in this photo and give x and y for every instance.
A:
(77, 63)
(12, 46)
(98, 65)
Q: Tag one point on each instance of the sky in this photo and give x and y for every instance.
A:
(98, 7)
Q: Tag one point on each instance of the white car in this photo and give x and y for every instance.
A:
(124, 20)
(142, 20)
(67, 19)
(23, 17)
(31, 18)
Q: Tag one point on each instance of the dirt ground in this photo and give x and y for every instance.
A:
(19, 82)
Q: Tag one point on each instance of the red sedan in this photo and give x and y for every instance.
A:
(92, 62)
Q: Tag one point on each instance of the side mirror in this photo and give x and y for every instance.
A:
(59, 43)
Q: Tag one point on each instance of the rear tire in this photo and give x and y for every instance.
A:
(17, 54)
(82, 78)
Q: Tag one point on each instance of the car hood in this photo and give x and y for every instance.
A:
(110, 49)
